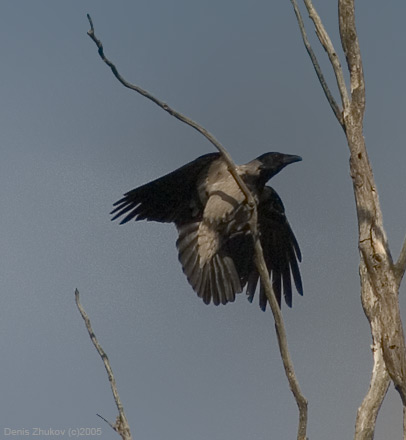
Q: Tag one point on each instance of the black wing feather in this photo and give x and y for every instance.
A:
(216, 279)
(167, 199)
(281, 250)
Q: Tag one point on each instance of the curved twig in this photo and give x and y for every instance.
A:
(174, 113)
(264, 275)
(121, 426)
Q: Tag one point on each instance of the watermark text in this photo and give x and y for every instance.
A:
(47, 432)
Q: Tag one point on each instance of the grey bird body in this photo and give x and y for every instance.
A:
(208, 208)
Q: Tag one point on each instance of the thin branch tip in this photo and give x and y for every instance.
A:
(105, 420)
(77, 300)
(90, 22)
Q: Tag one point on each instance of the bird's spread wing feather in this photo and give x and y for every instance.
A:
(171, 198)
(281, 250)
(209, 270)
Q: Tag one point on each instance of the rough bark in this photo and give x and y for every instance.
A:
(379, 282)
(380, 277)
(380, 380)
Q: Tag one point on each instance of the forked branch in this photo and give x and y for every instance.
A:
(279, 324)
(330, 98)
(380, 278)
(327, 44)
(332, 54)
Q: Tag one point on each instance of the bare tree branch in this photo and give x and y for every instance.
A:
(373, 243)
(380, 380)
(404, 422)
(282, 342)
(369, 409)
(332, 54)
(316, 65)
(174, 113)
(380, 278)
(121, 426)
(350, 44)
(105, 420)
(264, 275)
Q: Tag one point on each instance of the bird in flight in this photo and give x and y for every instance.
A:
(216, 247)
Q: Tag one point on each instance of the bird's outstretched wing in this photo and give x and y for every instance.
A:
(281, 251)
(213, 277)
(171, 198)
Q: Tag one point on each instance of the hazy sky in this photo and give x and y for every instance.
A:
(73, 140)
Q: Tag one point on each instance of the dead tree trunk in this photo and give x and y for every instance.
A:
(380, 277)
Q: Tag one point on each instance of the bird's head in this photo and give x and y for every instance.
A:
(269, 164)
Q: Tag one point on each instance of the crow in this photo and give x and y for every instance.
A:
(215, 245)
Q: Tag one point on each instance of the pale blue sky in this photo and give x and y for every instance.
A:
(73, 140)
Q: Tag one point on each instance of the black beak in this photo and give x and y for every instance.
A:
(291, 158)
